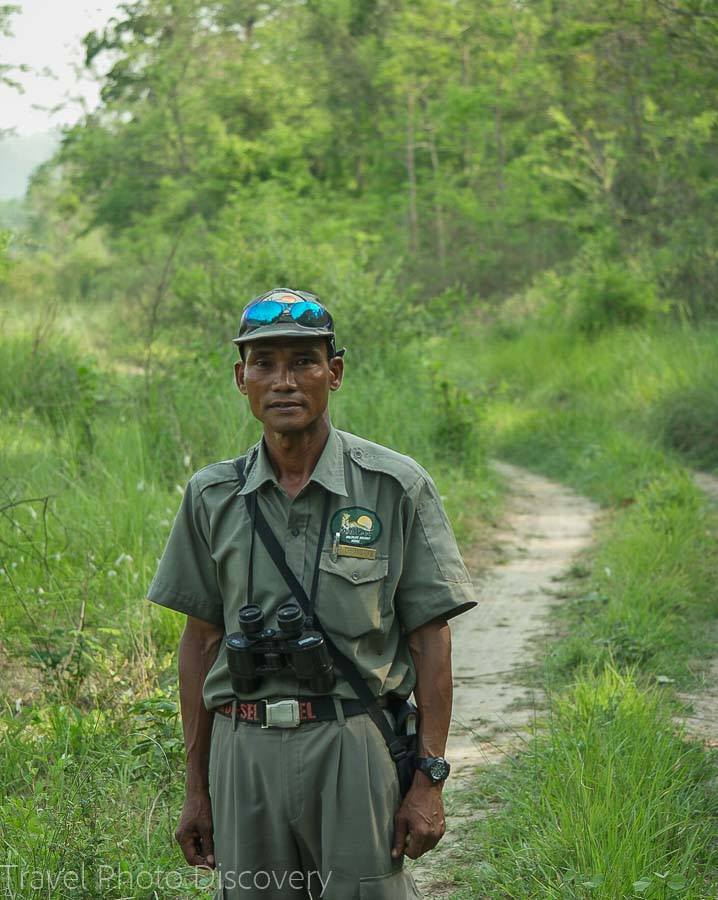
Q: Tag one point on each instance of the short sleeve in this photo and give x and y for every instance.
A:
(186, 578)
(434, 581)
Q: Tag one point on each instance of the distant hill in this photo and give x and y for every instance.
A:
(19, 156)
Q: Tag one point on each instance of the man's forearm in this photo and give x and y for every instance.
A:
(198, 650)
(430, 648)
(419, 822)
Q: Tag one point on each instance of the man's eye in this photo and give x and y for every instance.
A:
(305, 361)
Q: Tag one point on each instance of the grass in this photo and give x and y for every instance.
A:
(610, 800)
(90, 799)
(651, 592)
(92, 479)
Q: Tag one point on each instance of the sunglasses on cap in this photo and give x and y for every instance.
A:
(304, 312)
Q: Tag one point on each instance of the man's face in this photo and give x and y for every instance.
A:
(287, 381)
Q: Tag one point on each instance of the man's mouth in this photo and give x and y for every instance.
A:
(285, 404)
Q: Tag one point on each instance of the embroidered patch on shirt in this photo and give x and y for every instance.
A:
(356, 526)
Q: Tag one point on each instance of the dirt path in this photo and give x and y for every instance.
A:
(707, 483)
(545, 526)
(701, 717)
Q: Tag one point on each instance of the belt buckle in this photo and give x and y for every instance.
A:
(281, 714)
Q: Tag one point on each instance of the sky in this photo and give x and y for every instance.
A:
(47, 34)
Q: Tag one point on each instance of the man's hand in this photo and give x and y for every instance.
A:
(197, 652)
(419, 823)
(194, 833)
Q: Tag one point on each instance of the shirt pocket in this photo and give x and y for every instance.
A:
(351, 599)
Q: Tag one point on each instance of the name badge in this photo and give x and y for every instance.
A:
(356, 552)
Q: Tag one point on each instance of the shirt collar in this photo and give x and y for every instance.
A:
(329, 470)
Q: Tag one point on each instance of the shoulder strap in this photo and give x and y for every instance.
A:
(239, 465)
(343, 663)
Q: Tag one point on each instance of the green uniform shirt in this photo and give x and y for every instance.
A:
(382, 504)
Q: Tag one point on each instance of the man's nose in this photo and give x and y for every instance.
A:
(284, 380)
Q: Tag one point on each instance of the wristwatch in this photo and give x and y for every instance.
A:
(434, 767)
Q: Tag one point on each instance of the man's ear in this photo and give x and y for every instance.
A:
(336, 369)
(239, 376)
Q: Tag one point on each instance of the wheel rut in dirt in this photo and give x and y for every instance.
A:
(546, 526)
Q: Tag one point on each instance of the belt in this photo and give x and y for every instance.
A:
(288, 713)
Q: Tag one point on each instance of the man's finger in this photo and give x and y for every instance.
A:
(419, 844)
(190, 850)
(400, 833)
(208, 845)
(415, 845)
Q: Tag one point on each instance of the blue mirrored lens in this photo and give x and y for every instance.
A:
(263, 313)
(309, 313)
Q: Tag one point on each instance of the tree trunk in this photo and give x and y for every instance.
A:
(465, 76)
(411, 172)
(500, 151)
(438, 209)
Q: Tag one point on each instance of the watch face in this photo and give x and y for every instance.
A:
(439, 769)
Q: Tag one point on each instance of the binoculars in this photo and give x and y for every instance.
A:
(254, 650)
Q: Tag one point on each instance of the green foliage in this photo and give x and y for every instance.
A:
(652, 586)
(86, 510)
(5, 262)
(456, 427)
(453, 144)
(609, 295)
(687, 420)
(7, 11)
(584, 411)
(53, 379)
(85, 806)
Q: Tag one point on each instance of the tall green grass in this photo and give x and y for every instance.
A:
(607, 801)
(592, 412)
(90, 800)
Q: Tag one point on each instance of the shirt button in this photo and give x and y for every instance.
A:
(295, 532)
(355, 576)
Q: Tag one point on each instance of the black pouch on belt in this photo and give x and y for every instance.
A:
(406, 716)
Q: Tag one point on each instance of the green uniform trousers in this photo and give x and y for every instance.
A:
(305, 812)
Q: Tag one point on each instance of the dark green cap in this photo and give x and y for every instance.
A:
(283, 312)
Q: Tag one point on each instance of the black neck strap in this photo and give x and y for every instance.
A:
(250, 567)
(254, 516)
(342, 662)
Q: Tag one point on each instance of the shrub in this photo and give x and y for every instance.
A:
(687, 421)
(607, 295)
(50, 376)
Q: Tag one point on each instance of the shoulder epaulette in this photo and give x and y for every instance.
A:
(377, 458)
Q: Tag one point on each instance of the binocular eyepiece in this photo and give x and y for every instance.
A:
(255, 651)
(290, 619)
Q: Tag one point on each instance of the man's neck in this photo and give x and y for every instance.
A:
(294, 455)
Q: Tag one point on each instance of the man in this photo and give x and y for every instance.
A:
(292, 792)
